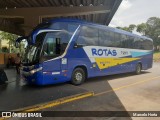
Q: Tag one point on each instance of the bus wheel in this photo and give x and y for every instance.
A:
(138, 69)
(78, 76)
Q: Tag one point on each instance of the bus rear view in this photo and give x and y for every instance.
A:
(64, 50)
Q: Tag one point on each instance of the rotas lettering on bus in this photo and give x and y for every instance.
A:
(103, 52)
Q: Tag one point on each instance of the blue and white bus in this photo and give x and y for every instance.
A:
(64, 50)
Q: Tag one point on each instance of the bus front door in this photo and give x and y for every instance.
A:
(51, 71)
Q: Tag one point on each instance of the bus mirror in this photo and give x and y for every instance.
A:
(75, 45)
(18, 40)
(16, 44)
(58, 45)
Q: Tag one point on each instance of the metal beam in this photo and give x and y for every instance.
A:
(52, 11)
(30, 23)
(113, 11)
(8, 26)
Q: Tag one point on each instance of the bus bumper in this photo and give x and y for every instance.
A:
(39, 78)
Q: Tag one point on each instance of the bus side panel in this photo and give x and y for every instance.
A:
(147, 61)
(117, 60)
(111, 60)
(78, 57)
(52, 72)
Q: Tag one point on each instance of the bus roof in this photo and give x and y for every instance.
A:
(98, 26)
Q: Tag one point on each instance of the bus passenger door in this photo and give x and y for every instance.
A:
(51, 60)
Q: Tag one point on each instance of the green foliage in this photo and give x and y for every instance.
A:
(129, 29)
(132, 27)
(153, 30)
(8, 37)
(142, 28)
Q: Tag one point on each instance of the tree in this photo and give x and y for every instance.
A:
(9, 37)
(153, 30)
(129, 29)
(142, 28)
(132, 27)
(124, 28)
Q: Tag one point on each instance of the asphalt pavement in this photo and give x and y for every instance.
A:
(123, 92)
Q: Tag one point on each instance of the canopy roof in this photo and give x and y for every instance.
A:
(21, 16)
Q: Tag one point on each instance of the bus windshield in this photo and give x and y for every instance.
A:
(32, 53)
(32, 50)
(45, 42)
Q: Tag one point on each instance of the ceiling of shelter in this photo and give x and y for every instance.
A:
(20, 16)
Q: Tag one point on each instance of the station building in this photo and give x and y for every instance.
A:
(21, 16)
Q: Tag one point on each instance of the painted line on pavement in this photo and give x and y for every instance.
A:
(53, 103)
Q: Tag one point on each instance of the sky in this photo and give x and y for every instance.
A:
(135, 12)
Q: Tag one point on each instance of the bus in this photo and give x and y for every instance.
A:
(62, 50)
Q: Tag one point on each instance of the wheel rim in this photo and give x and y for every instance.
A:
(78, 76)
(138, 69)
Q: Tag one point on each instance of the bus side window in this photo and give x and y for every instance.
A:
(117, 40)
(124, 41)
(130, 42)
(138, 43)
(141, 44)
(148, 45)
(105, 38)
(88, 37)
(127, 41)
(49, 47)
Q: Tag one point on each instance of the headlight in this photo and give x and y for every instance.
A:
(35, 70)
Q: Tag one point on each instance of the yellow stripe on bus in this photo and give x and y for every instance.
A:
(110, 62)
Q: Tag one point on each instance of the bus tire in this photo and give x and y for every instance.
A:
(138, 69)
(78, 76)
